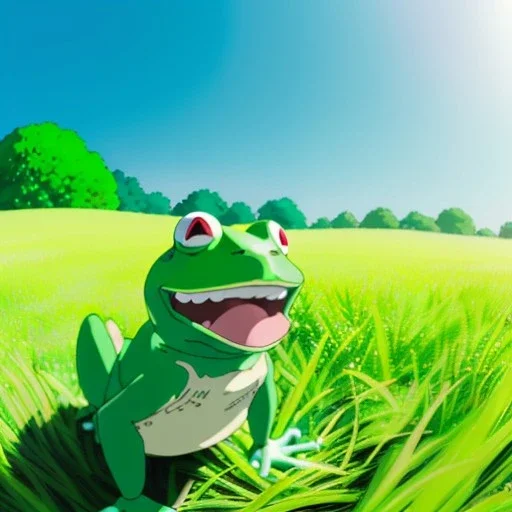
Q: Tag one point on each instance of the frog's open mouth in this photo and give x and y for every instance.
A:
(252, 316)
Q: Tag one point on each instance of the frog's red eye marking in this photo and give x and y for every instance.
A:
(283, 238)
(198, 226)
(197, 230)
(278, 234)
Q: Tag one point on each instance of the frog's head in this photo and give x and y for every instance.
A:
(220, 291)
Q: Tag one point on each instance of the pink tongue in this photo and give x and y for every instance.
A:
(249, 325)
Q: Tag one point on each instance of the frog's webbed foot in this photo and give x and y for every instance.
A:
(140, 504)
(276, 453)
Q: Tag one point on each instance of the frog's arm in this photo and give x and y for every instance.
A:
(267, 452)
(263, 408)
(123, 447)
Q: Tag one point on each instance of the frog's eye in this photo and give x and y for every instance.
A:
(278, 235)
(197, 229)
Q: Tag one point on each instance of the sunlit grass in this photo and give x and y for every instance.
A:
(399, 358)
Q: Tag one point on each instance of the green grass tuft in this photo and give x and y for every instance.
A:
(399, 358)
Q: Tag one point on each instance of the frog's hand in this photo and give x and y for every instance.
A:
(276, 453)
(97, 348)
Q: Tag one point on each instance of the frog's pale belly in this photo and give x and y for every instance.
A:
(209, 410)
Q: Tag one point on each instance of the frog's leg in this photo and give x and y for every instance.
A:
(97, 348)
(123, 446)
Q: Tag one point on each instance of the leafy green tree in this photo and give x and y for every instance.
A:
(345, 219)
(418, 221)
(132, 197)
(157, 203)
(485, 232)
(321, 223)
(238, 213)
(45, 166)
(456, 221)
(202, 200)
(506, 230)
(382, 218)
(283, 211)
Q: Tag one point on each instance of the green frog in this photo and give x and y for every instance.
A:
(218, 301)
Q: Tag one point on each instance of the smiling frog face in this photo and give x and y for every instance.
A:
(222, 290)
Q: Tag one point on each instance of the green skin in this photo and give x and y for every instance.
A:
(128, 385)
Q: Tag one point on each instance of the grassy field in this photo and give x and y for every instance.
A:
(399, 357)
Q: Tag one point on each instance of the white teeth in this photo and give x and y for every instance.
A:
(277, 296)
(216, 296)
(199, 298)
(183, 297)
(265, 291)
(242, 292)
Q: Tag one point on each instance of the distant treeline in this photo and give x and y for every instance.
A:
(45, 166)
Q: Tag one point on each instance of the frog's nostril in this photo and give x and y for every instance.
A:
(239, 252)
(273, 252)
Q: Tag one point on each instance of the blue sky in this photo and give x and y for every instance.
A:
(338, 105)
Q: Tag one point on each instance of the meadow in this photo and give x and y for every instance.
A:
(399, 358)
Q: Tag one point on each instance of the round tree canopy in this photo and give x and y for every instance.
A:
(44, 166)
(345, 219)
(283, 211)
(382, 218)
